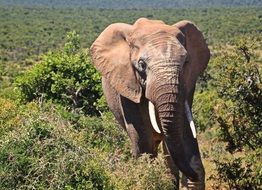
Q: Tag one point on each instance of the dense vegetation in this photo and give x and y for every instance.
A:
(47, 147)
(56, 133)
(26, 33)
(139, 4)
(230, 104)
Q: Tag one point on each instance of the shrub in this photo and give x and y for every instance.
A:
(47, 152)
(53, 148)
(239, 117)
(239, 86)
(143, 173)
(239, 173)
(66, 77)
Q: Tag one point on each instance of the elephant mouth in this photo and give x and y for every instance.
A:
(154, 122)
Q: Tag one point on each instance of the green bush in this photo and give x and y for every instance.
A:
(239, 116)
(239, 173)
(52, 148)
(66, 77)
(142, 173)
(239, 86)
(46, 151)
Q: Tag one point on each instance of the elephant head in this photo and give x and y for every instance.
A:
(161, 63)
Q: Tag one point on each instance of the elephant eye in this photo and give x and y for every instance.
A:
(141, 66)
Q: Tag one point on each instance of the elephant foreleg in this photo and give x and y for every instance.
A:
(113, 101)
(138, 127)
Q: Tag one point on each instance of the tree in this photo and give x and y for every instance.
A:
(66, 77)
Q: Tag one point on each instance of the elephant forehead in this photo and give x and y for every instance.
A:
(149, 29)
(160, 46)
(146, 30)
(149, 34)
(145, 21)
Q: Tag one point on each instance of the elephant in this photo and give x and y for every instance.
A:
(149, 72)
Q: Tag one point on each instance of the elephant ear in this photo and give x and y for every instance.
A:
(111, 56)
(198, 53)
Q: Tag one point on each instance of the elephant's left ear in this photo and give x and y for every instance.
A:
(198, 52)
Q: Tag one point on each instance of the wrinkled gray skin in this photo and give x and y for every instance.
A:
(152, 61)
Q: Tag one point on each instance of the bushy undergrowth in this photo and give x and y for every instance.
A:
(241, 172)
(232, 104)
(52, 148)
(239, 86)
(143, 173)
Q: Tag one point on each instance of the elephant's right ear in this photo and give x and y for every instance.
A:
(198, 52)
(111, 56)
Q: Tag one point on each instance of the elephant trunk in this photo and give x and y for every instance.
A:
(166, 92)
(170, 107)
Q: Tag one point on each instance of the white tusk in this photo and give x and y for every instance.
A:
(190, 119)
(152, 115)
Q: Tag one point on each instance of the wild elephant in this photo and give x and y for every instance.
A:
(149, 71)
